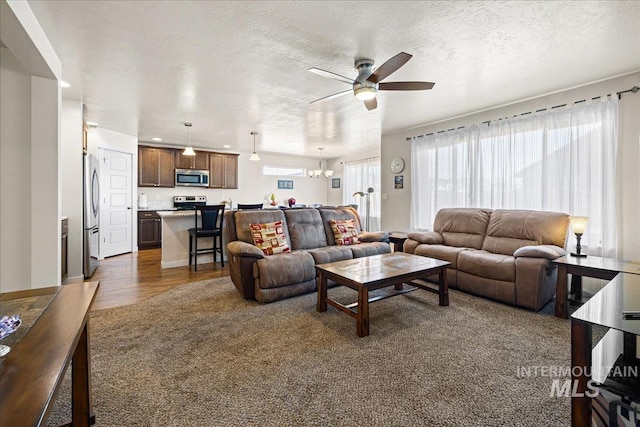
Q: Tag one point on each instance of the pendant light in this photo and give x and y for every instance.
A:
(254, 156)
(189, 151)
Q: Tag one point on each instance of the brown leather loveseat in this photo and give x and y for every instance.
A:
(269, 278)
(501, 254)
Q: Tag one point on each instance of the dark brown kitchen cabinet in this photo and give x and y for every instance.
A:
(199, 161)
(155, 167)
(223, 170)
(149, 230)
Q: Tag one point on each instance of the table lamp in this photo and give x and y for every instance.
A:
(578, 225)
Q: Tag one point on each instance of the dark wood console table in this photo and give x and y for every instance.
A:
(618, 347)
(32, 372)
(397, 238)
(590, 266)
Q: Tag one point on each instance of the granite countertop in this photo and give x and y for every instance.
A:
(175, 214)
(156, 210)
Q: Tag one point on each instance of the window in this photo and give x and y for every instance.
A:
(359, 176)
(563, 161)
(283, 171)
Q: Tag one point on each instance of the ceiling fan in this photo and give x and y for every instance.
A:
(369, 82)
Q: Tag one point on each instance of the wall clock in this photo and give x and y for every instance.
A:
(397, 165)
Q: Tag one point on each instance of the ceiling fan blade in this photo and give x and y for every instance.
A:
(371, 104)
(335, 95)
(389, 67)
(331, 75)
(405, 86)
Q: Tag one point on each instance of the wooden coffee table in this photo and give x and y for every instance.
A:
(375, 272)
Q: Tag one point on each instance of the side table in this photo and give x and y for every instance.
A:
(397, 238)
(613, 362)
(590, 266)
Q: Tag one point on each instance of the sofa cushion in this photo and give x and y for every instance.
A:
(509, 230)
(284, 269)
(330, 254)
(244, 218)
(462, 227)
(337, 214)
(305, 228)
(442, 252)
(270, 237)
(489, 265)
(368, 249)
(344, 232)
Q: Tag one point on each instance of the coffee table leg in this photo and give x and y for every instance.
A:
(443, 289)
(322, 292)
(561, 292)
(362, 319)
(81, 381)
(399, 286)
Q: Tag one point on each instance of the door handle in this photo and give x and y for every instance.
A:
(128, 207)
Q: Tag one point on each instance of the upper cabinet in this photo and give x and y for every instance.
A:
(223, 170)
(155, 167)
(199, 161)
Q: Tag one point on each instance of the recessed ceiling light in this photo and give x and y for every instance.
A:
(64, 84)
(226, 146)
(157, 139)
(92, 124)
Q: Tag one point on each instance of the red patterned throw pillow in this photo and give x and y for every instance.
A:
(270, 238)
(344, 231)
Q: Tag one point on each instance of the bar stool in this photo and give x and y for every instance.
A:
(211, 217)
(247, 207)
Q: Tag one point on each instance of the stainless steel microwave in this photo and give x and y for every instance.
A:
(192, 177)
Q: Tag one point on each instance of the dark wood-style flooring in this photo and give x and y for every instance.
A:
(130, 278)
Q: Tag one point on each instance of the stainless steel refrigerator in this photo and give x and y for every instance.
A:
(91, 186)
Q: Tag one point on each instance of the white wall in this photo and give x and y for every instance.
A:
(395, 210)
(30, 129)
(15, 173)
(71, 182)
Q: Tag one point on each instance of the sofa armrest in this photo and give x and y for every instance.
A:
(540, 251)
(374, 236)
(428, 237)
(244, 249)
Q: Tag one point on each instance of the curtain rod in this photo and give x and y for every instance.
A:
(359, 160)
(634, 89)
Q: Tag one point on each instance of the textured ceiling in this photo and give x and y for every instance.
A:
(146, 67)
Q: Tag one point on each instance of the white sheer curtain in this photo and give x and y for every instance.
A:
(360, 175)
(562, 161)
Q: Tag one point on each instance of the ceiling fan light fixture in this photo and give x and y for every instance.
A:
(365, 93)
(254, 156)
(189, 151)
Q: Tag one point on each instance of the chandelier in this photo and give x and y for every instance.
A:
(317, 173)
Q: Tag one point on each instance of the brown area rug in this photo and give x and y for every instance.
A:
(201, 355)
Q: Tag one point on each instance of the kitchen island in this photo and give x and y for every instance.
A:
(175, 239)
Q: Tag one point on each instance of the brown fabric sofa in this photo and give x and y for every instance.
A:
(309, 235)
(501, 254)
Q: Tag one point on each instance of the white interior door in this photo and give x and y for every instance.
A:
(116, 214)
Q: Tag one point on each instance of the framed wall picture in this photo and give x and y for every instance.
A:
(335, 183)
(285, 184)
(398, 181)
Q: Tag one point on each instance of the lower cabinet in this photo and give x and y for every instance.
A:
(149, 230)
